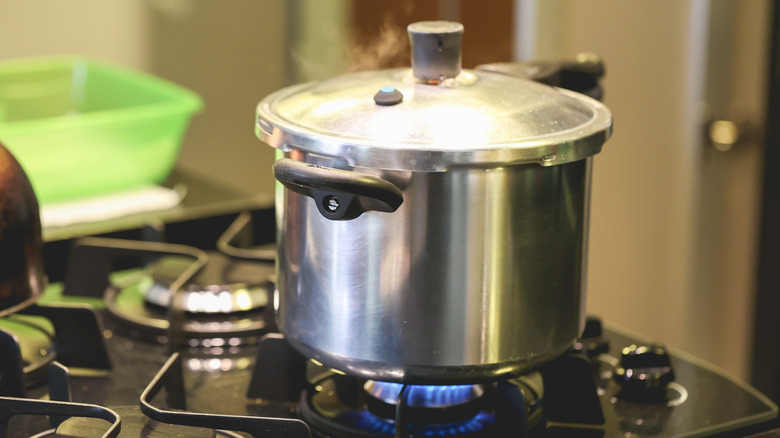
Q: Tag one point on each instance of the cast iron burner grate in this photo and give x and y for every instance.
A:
(59, 408)
(146, 420)
(71, 333)
(196, 296)
(133, 424)
(337, 405)
(267, 389)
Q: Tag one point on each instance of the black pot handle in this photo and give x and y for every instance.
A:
(339, 194)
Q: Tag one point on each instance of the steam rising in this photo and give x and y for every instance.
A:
(328, 41)
(387, 49)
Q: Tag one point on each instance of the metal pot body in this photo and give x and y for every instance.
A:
(478, 274)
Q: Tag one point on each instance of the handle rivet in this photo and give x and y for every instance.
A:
(331, 203)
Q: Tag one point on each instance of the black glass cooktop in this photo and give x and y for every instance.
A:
(700, 400)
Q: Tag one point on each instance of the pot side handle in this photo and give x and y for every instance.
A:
(339, 194)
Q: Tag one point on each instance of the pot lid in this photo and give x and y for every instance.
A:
(434, 116)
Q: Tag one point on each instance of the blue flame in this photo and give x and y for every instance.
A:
(371, 423)
(426, 396)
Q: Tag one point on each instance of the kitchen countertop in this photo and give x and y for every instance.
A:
(204, 198)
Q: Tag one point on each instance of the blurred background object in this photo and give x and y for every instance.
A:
(676, 205)
(82, 127)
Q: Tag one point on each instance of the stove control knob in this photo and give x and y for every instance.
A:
(643, 374)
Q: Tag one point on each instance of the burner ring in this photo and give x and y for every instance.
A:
(222, 286)
(337, 405)
(425, 404)
(127, 304)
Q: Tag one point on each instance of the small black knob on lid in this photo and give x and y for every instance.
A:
(644, 373)
(435, 49)
(388, 96)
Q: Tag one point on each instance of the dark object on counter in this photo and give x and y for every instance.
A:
(21, 264)
(644, 372)
(581, 75)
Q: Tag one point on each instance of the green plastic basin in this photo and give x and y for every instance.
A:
(81, 127)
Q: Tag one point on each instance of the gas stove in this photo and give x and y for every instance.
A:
(109, 351)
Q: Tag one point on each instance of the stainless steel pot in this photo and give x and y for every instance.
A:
(433, 222)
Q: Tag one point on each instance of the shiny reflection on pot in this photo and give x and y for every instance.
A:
(480, 266)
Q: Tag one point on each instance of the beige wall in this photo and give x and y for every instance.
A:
(110, 30)
(673, 231)
(231, 56)
(640, 266)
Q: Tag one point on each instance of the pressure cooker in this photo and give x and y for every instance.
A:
(432, 221)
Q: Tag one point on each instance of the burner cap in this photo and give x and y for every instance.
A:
(343, 406)
(226, 299)
(222, 286)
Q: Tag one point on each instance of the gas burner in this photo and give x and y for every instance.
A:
(264, 389)
(339, 405)
(427, 404)
(425, 396)
(225, 303)
(222, 286)
(35, 337)
(134, 424)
